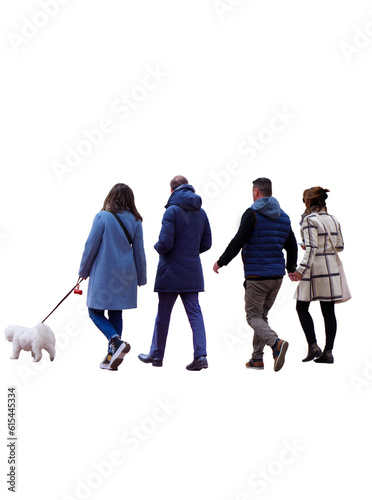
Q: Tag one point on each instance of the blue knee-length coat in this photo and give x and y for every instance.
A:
(185, 233)
(115, 268)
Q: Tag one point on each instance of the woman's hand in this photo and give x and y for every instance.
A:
(296, 276)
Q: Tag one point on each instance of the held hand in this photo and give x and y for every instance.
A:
(296, 276)
(216, 267)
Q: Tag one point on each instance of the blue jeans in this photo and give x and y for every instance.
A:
(194, 314)
(111, 327)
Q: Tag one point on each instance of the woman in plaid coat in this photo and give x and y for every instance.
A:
(318, 272)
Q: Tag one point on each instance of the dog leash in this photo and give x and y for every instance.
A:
(64, 298)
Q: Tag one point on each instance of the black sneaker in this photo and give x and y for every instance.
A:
(198, 364)
(119, 350)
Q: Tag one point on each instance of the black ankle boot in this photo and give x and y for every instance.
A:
(326, 357)
(313, 352)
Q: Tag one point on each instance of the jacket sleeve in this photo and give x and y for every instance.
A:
(310, 235)
(290, 247)
(166, 236)
(139, 255)
(206, 241)
(245, 231)
(92, 246)
(340, 239)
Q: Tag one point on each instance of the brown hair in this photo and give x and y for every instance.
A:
(315, 199)
(121, 198)
(178, 181)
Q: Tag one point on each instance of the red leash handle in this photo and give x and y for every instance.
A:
(65, 297)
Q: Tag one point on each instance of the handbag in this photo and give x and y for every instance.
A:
(126, 232)
(345, 290)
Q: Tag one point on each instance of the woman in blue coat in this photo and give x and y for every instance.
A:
(116, 264)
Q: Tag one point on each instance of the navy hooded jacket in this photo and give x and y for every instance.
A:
(185, 234)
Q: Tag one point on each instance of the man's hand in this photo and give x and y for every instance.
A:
(296, 276)
(216, 267)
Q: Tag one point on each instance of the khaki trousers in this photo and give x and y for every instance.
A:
(259, 298)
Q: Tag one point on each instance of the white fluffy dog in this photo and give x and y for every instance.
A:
(31, 339)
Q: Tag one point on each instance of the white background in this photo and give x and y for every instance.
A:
(227, 73)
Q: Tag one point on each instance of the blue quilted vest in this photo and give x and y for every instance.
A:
(263, 254)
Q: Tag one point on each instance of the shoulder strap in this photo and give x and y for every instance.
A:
(123, 227)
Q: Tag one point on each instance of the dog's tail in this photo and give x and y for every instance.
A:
(46, 333)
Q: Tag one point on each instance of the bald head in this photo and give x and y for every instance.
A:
(177, 182)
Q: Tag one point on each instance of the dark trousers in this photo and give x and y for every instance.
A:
(194, 314)
(330, 322)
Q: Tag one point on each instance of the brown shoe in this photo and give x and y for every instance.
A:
(256, 364)
(279, 351)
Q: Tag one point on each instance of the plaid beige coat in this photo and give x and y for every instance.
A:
(321, 279)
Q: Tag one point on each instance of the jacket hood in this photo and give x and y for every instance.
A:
(186, 198)
(267, 206)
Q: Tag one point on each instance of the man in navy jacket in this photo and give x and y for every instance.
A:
(263, 233)
(185, 234)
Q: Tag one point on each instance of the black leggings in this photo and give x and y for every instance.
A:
(328, 311)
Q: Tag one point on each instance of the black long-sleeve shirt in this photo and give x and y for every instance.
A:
(245, 231)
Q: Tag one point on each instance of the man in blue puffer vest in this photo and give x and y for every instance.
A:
(263, 233)
(185, 234)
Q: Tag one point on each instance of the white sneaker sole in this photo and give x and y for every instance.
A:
(281, 357)
(118, 357)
